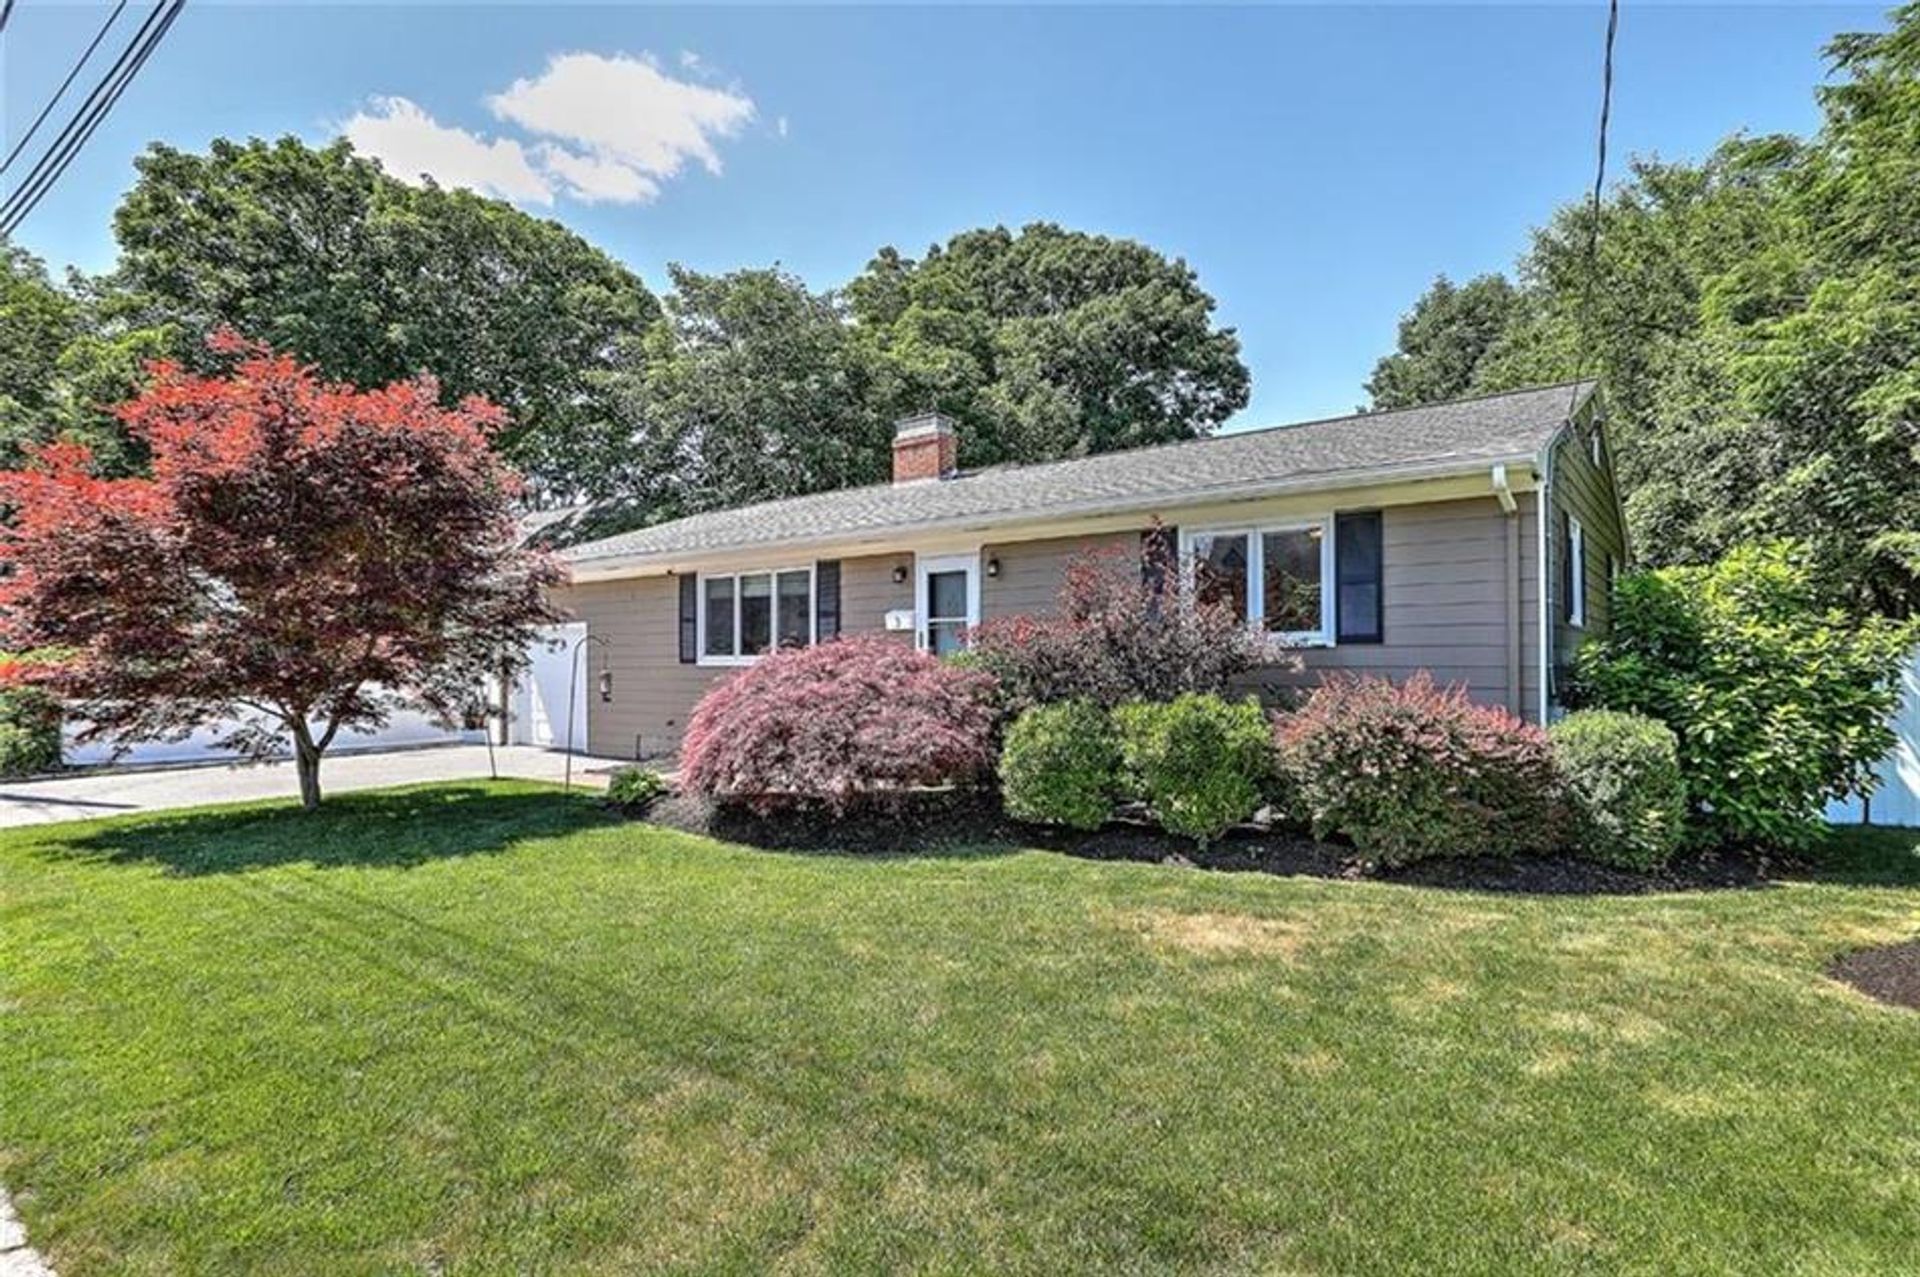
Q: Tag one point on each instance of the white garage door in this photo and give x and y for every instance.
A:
(540, 702)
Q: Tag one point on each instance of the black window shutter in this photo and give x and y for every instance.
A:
(826, 600)
(689, 622)
(1159, 555)
(1359, 574)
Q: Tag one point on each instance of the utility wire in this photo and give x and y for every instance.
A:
(19, 205)
(6, 12)
(1593, 207)
(60, 92)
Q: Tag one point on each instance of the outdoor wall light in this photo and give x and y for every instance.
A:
(899, 574)
(993, 567)
(606, 687)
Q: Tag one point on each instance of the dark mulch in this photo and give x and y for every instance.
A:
(945, 823)
(1890, 973)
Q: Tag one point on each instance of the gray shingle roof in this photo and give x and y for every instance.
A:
(1325, 453)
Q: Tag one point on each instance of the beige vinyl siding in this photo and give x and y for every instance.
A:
(1448, 599)
(1031, 572)
(653, 691)
(1450, 603)
(1450, 607)
(1586, 491)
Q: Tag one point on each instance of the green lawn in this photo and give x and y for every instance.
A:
(479, 1028)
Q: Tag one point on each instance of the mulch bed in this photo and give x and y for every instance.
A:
(946, 823)
(1890, 973)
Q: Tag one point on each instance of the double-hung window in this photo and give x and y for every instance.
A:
(1278, 578)
(744, 615)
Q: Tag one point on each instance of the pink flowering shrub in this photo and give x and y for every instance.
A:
(1415, 770)
(854, 722)
(1121, 632)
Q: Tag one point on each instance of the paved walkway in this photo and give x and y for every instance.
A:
(17, 1259)
(112, 793)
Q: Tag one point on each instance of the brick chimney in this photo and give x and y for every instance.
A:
(924, 447)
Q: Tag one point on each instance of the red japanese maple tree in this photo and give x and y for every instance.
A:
(305, 557)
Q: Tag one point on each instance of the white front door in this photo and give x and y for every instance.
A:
(546, 685)
(947, 601)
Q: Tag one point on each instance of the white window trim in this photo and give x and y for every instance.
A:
(1256, 573)
(924, 566)
(700, 610)
(1598, 453)
(1577, 554)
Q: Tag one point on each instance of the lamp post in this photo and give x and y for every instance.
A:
(573, 690)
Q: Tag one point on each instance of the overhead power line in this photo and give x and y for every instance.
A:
(82, 125)
(1593, 207)
(6, 13)
(60, 92)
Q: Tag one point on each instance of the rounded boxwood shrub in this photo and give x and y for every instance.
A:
(851, 723)
(1199, 762)
(1624, 788)
(1413, 770)
(1060, 765)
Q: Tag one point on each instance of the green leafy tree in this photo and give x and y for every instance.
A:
(1048, 343)
(750, 386)
(67, 355)
(1754, 319)
(322, 255)
(1443, 341)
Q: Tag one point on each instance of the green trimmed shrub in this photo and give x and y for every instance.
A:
(29, 732)
(1200, 763)
(1624, 789)
(635, 788)
(1780, 703)
(1412, 770)
(1059, 765)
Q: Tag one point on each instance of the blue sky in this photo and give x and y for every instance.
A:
(1317, 165)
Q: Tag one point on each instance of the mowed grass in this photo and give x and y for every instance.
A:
(483, 1029)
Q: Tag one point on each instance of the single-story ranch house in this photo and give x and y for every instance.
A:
(1387, 542)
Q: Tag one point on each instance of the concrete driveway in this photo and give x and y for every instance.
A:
(91, 795)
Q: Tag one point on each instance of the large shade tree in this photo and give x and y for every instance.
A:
(321, 254)
(1755, 318)
(1048, 343)
(305, 557)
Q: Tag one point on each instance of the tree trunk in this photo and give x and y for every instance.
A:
(306, 760)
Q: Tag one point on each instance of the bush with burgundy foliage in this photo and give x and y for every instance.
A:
(855, 723)
(1414, 770)
(1120, 632)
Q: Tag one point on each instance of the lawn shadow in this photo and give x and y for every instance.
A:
(392, 828)
(1864, 856)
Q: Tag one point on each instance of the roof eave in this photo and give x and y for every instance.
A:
(605, 566)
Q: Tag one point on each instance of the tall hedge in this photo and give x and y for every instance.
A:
(1778, 701)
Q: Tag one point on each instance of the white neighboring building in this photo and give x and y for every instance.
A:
(1897, 800)
(407, 728)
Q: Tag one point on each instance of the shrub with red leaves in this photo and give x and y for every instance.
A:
(305, 557)
(851, 723)
(1121, 632)
(1414, 770)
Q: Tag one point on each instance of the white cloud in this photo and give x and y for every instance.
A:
(626, 111)
(613, 129)
(409, 143)
(591, 179)
(780, 126)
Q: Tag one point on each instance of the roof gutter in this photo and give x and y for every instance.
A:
(602, 566)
